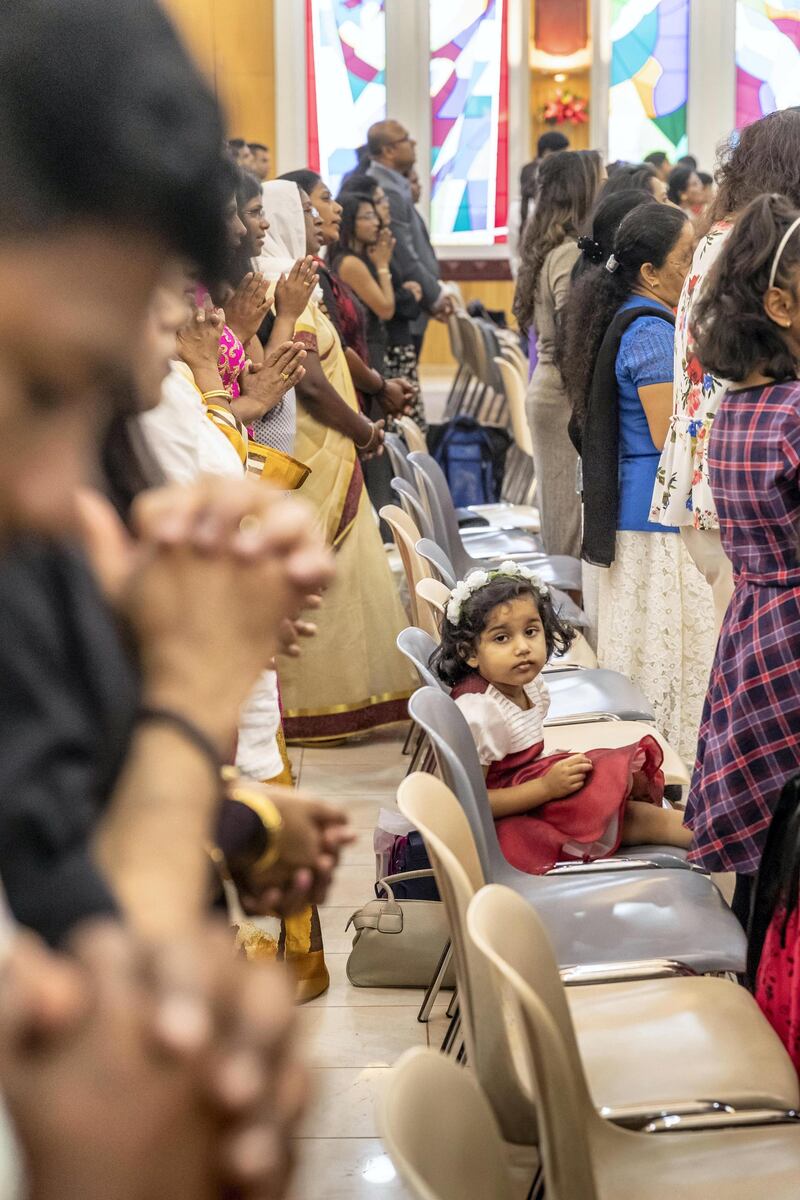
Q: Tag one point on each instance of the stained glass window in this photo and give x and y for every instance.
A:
(346, 80)
(469, 143)
(649, 78)
(767, 57)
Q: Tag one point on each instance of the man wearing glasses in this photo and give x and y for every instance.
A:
(393, 152)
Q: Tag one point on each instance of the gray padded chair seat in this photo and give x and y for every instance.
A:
(604, 916)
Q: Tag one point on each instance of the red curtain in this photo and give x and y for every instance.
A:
(560, 26)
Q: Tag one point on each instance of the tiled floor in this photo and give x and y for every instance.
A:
(353, 1035)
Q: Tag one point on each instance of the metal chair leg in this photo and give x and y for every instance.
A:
(453, 1029)
(537, 1191)
(435, 985)
(422, 747)
(407, 743)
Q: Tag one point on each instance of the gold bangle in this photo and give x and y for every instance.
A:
(368, 442)
(217, 394)
(265, 809)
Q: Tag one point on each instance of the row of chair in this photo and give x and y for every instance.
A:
(587, 1075)
(490, 385)
(585, 1009)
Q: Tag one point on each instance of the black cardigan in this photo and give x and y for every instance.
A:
(598, 442)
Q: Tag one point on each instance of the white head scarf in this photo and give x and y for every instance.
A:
(286, 237)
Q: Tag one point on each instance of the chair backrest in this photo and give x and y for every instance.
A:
(432, 481)
(434, 594)
(514, 354)
(438, 559)
(460, 768)
(415, 568)
(398, 457)
(469, 342)
(418, 646)
(565, 1111)
(434, 810)
(411, 504)
(514, 387)
(414, 437)
(440, 1132)
(456, 342)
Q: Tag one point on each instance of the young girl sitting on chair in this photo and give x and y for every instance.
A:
(499, 630)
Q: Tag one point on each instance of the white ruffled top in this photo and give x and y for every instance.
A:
(499, 727)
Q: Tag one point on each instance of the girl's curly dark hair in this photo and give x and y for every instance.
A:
(565, 194)
(449, 659)
(733, 333)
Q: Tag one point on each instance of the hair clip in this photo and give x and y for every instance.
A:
(612, 264)
(591, 249)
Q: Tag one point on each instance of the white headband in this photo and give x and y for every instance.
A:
(776, 262)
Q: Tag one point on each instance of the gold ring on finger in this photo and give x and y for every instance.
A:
(285, 377)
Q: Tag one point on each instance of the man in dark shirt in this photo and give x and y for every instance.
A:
(393, 153)
(85, 236)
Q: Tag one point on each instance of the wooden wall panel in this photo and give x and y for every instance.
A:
(234, 43)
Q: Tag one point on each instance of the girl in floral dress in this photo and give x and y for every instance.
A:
(763, 159)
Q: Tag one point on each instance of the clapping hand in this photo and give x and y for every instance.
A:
(383, 249)
(264, 385)
(247, 307)
(293, 291)
(198, 341)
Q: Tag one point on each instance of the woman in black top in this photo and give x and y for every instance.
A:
(399, 350)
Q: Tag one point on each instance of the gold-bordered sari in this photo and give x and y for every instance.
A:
(351, 677)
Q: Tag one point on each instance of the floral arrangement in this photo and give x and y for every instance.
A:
(478, 579)
(566, 109)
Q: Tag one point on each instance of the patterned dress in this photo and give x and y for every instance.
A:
(584, 826)
(749, 744)
(682, 495)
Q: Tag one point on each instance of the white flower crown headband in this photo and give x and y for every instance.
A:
(479, 579)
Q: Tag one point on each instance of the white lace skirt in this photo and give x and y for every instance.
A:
(656, 625)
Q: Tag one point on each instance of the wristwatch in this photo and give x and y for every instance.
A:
(243, 791)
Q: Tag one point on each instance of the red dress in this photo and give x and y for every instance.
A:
(778, 981)
(584, 826)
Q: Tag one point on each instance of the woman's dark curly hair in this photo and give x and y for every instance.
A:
(449, 659)
(763, 158)
(733, 333)
(565, 195)
(645, 235)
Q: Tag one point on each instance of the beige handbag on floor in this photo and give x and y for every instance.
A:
(398, 943)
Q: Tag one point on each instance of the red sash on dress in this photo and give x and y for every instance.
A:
(584, 826)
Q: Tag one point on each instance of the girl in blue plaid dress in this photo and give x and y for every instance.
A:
(747, 325)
